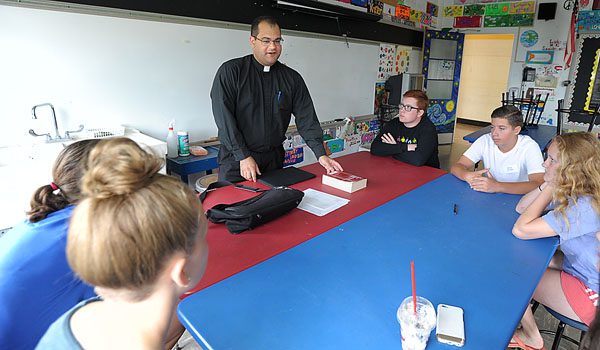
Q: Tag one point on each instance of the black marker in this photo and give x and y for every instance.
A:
(455, 209)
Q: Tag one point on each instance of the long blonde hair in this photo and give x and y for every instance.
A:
(578, 173)
(132, 220)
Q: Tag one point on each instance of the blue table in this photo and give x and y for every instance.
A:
(191, 164)
(341, 289)
(542, 134)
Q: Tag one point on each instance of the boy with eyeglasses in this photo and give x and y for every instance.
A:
(253, 98)
(512, 162)
(412, 137)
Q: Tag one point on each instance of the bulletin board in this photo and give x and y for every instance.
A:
(587, 47)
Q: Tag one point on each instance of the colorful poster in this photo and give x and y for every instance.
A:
(588, 21)
(498, 9)
(361, 3)
(387, 54)
(474, 10)
(402, 59)
(496, 21)
(415, 16)
(336, 145)
(403, 11)
(539, 57)
(375, 7)
(524, 20)
(432, 9)
(380, 96)
(467, 21)
(293, 156)
(453, 11)
(529, 38)
(522, 7)
(426, 19)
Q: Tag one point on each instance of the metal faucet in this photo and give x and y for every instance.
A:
(48, 137)
(53, 115)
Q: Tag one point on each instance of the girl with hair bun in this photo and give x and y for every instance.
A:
(139, 237)
(572, 189)
(36, 283)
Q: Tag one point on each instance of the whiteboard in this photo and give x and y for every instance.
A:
(102, 71)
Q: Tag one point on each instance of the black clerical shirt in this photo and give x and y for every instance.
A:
(252, 108)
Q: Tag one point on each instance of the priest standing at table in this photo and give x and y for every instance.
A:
(253, 98)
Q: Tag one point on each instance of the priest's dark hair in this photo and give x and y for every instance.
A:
(258, 20)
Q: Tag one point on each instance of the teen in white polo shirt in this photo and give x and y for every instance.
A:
(512, 162)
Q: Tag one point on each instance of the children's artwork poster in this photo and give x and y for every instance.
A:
(403, 11)
(375, 7)
(335, 145)
(426, 19)
(496, 21)
(539, 57)
(453, 11)
(402, 59)
(497, 9)
(293, 156)
(466, 2)
(415, 16)
(387, 54)
(351, 140)
(432, 9)
(528, 38)
(588, 21)
(468, 21)
(474, 10)
(380, 96)
(522, 7)
(361, 3)
(523, 20)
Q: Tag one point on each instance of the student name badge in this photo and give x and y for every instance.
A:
(510, 169)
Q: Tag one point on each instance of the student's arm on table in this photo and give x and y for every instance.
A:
(488, 184)
(530, 225)
(527, 199)
(461, 170)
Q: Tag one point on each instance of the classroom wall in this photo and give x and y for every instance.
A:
(101, 71)
(549, 32)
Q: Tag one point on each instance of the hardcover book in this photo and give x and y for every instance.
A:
(344, 181)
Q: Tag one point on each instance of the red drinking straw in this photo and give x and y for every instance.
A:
(412, 270)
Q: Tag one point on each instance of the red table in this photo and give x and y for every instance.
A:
(230, 254)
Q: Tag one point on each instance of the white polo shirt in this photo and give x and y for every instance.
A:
(513, 166)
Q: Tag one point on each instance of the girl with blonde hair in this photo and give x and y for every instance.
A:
(572, 188)
(139, 237)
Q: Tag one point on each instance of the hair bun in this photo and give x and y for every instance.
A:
(118, 167)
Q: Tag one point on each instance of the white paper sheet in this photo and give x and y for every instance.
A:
(321, 203)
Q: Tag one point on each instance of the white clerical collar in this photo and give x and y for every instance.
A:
(266, 69)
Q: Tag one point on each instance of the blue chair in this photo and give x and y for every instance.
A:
(563, 321)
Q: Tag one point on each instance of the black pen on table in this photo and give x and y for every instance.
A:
(455, 209)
